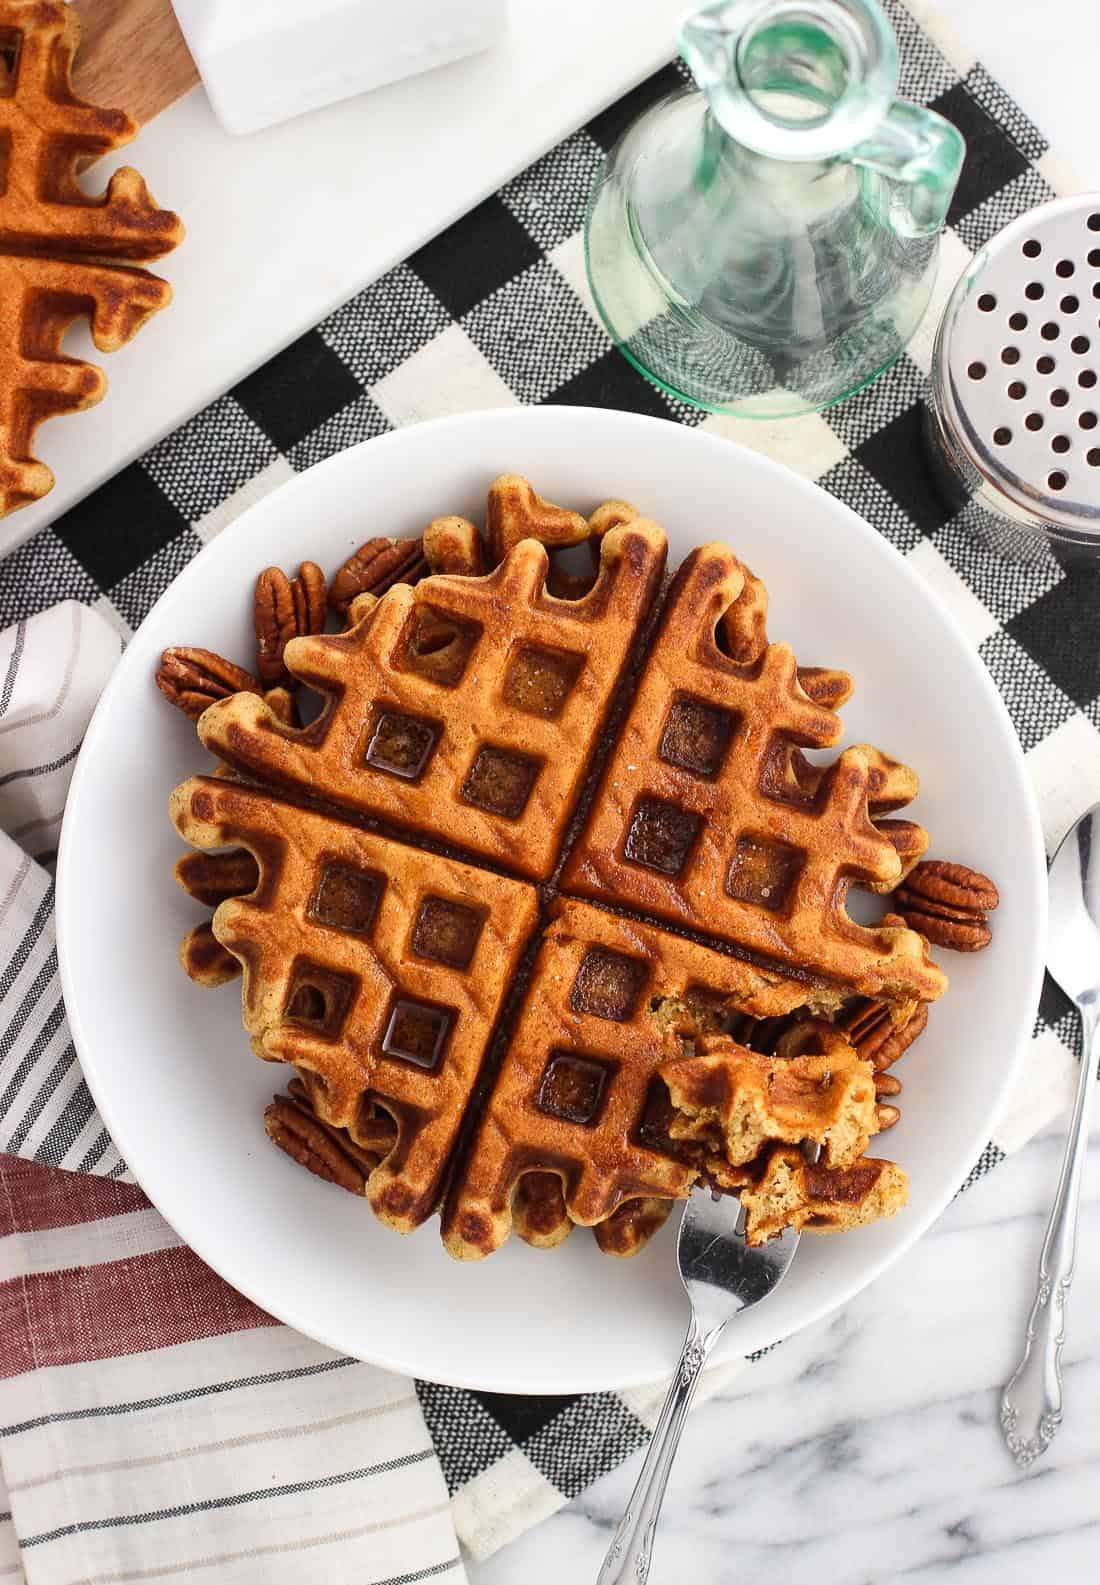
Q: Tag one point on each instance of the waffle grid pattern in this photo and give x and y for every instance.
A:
(581, 1062)
(425, 760)
(575, 1103)
(376, 970)
(695, 822)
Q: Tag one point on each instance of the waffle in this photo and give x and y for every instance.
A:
(541, 1219)
(683, 1016)
(890, 786)
(465, 709)
(784, 1190)
(60, 249)
(574, 1096)
(734, 1101)
(538, 1208)
(705, 817)
(629, 1228)
(376, 970)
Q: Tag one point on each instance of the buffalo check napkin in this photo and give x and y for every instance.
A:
(152, 1422)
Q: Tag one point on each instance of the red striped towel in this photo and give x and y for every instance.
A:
(157, 1424)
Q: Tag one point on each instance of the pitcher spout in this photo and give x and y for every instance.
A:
(793, 79)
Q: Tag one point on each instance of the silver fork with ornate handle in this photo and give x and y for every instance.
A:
(1031, 1406)
(723, 1276)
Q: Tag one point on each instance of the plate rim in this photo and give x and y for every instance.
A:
(737, 455)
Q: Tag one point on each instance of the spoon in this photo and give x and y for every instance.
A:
(1031, 1405)
(722, 1276)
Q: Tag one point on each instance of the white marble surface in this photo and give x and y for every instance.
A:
(866, 1449)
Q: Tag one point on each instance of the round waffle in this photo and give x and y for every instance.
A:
(534, 860)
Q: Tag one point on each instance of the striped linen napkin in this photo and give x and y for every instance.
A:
(54, 668)
(154, 1423)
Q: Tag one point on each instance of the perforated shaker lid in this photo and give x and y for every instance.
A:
(1018, 363)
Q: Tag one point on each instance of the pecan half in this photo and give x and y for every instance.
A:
(310, 593)
(204, 958)
(308, 1142)
(453, 544)
(957, 935)
(211, 878)
(886, 1116)
(872, 1031)
(375, 567)
(887, 1084)
(947, 903)
(293, 1123)
(286, 608)
(192, 678)
(375, 1129)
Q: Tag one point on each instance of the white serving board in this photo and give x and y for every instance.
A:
(285, 225)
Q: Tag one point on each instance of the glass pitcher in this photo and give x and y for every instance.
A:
(769, 245)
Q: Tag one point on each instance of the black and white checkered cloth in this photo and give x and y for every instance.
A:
(495, 311)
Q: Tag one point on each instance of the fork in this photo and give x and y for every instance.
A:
(722, 1277)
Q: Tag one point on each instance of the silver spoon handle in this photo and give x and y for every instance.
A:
(1031, 1405)
(628, 1556)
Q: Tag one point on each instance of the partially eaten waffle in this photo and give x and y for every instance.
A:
(546, 905)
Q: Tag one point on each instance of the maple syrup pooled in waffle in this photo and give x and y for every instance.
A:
(673, 1005)
(62, 252)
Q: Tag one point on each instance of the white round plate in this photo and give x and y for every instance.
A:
(169, 1064)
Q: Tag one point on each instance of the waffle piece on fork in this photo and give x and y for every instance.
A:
(581, 1072)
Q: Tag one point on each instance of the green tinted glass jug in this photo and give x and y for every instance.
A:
(768, 245)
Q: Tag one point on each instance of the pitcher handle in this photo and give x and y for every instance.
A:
(922, 153)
